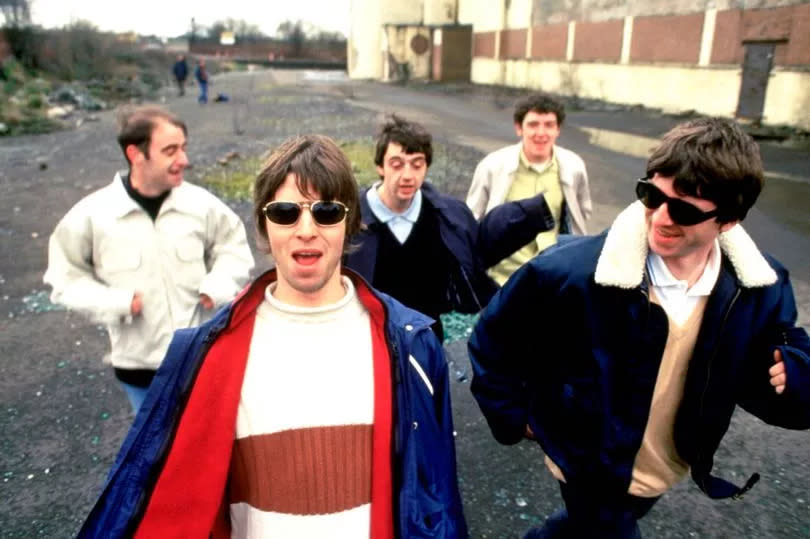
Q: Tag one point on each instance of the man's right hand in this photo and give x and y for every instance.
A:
(137, 304)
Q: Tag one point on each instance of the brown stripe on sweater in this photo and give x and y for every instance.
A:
(308, 471)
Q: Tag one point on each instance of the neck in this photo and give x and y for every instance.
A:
(690, 267)
(537, 159)
(137, 183)
(331, 292)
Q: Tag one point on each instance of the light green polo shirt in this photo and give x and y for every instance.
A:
(529, 182)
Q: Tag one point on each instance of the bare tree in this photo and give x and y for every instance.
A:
(16, 12)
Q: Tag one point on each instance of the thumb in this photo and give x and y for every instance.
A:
(777, 356)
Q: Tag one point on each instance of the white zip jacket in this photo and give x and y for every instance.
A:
(107, 247)
(495, 173)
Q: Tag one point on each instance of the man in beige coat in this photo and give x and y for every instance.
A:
(532, 167)
(148, 253)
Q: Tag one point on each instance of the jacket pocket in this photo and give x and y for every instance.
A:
(190, 263)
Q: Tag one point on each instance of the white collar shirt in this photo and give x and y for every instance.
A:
(400, 224)
(676, 297)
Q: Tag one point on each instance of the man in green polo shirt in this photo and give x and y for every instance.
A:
(533, 166)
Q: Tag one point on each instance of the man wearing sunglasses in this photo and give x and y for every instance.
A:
(148, 253)
(312, 406)
(652, 333)
(426, 248)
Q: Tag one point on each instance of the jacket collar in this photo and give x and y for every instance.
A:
(513, 162)
(122, 203)
(624, 254)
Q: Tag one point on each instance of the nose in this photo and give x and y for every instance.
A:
(660, 215)
(182, 159)
(306, 227)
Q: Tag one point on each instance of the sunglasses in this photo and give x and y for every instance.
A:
(679, 211)
(324, 213)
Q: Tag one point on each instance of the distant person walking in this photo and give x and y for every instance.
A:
(180, 71)
(201, 74)
(148, 253)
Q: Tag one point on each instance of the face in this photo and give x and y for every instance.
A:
(539, 132)
(307, 255)
(402, 176)
(680, 244)
(167, 160)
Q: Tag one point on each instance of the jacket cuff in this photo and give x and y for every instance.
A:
(538, 211)
(218, 289)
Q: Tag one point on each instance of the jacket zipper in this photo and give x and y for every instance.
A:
(700, 457)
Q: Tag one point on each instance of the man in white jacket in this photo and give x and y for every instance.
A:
(534, 166)
(148, 253)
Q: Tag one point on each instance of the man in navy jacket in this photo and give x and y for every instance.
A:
(311, 406)
(425, 248)
(624, 355)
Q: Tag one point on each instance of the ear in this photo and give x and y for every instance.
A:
(725, 227)
(381, 171)
(133, 152)
(518, 129)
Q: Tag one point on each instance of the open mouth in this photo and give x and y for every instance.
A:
(306, 258)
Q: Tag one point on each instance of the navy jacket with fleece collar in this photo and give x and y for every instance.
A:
(426, 497)
(571, 346)
(473, 246)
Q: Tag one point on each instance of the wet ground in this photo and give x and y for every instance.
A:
(62, 416)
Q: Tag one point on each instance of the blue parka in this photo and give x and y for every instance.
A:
(571, 346)
(473, 246)
(426, 497)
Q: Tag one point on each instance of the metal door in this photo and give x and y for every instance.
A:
(756, 70)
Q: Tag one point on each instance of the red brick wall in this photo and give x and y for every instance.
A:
(549, 42)
(727, 44)
(513, 44)
(484, 45)
(798, 48)
(670, 38)
(766, 24)
(599, 41)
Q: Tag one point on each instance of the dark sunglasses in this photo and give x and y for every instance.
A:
(324, 213)
(679, 211)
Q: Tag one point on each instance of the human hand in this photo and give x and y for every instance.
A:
(137, 304)
(206, 302)
(778, 372)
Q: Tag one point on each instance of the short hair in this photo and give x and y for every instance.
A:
(540, 103)
(319, 165)
(711, 158)
(410, 135)
(136, 124)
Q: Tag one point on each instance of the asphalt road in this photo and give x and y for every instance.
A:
(63, 417)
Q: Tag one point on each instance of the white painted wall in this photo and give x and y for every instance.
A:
(712, 91)
(440, 11)
(484, 15)
(518, 13)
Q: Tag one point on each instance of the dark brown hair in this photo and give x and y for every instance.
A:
(136, 124)
(540, 103)
(711, 158)
(410, 135)
(319, 166)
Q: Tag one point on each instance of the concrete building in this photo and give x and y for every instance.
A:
(748, 59)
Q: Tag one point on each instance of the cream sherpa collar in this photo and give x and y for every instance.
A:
(624, 254)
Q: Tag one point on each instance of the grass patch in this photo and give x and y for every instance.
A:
(234, 181)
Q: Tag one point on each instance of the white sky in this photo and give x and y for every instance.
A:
(169, 18)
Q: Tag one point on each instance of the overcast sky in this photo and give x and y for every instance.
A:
(171, 18)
